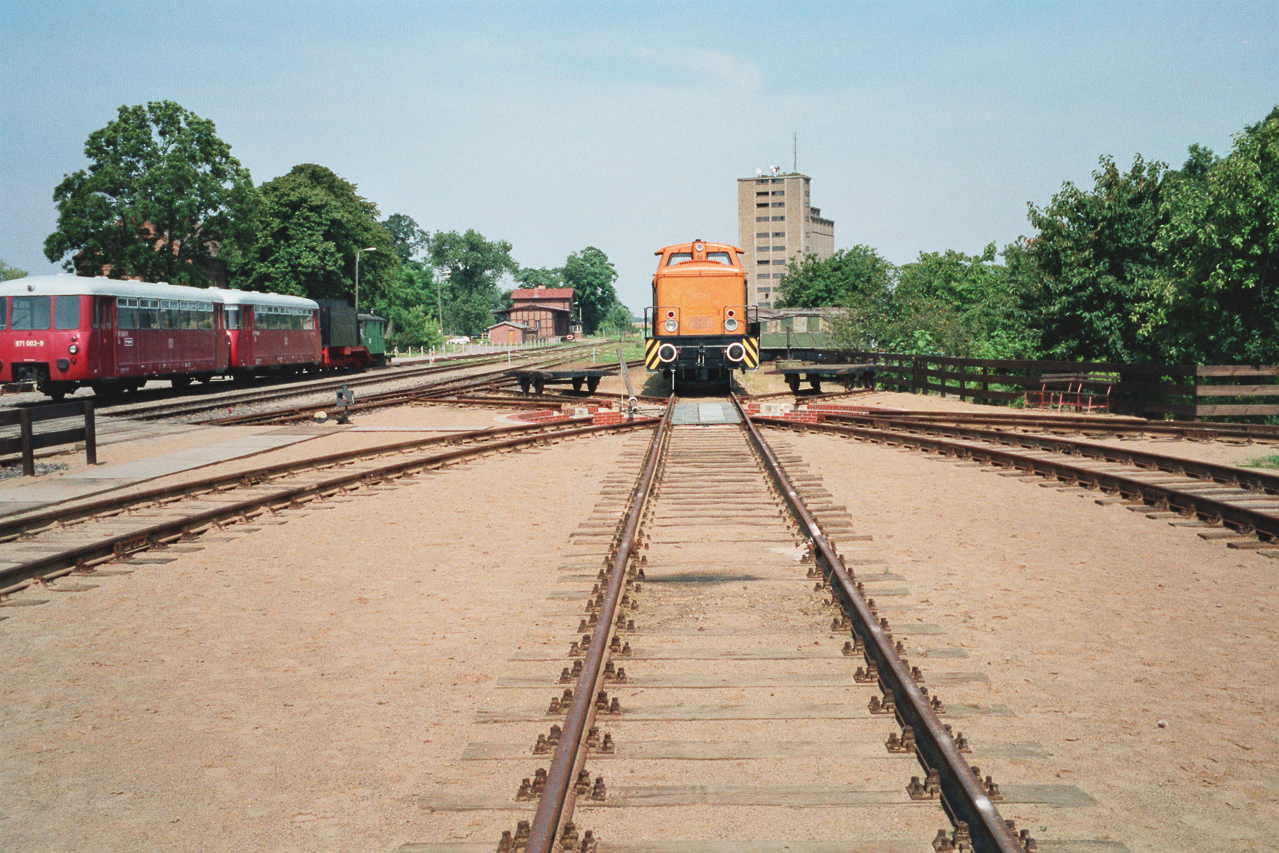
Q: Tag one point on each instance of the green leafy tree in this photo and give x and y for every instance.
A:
(618, 322)
(410, 240)
(8, 273)
(1220, 293)
(409, 306)
(856, 275)
(592, 276)
(958, 304)
(472, 268)
(310, 224)
(1096, 255)
(162, 197)
(533, 277)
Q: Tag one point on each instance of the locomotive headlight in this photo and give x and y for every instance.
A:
(730, 324)
(73, 349)
(671, 324)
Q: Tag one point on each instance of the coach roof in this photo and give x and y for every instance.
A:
(276, 300)
(76, 285)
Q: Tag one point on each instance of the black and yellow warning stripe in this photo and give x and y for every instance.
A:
(650, 353)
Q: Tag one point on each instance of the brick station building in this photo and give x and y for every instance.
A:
(547, 311)
(509, 332)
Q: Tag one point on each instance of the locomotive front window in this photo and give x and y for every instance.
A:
(678, 258)
(66, 312)
(718, 258)
(31, 313)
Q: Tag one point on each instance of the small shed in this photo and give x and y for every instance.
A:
(510, 332)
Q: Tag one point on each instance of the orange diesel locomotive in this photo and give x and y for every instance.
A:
(700, 327)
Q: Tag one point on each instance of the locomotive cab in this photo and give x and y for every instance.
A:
(700, 326)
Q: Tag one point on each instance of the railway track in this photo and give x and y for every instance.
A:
(1069, 424)
(79, 538)
(730, 685)
(1239, 506)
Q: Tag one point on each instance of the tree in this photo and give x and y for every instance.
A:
(8, 273)
(592, 276)
(410, 239)
(849, 275)
(161, 199)
(1096, 256)
(960, 305)
(534, 277)
(310, 223)
(1220, 293)
(471, 267)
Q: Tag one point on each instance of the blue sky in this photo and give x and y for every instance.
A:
(556, 126)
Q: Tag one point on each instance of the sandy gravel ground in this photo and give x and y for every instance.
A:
(1141, 659)
(302, 686)
(294, 688)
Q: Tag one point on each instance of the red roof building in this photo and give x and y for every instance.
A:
(548, 311)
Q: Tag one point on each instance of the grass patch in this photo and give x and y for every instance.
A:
(1262, 462)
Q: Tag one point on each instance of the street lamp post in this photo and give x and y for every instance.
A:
(357, 276)
(439, 300)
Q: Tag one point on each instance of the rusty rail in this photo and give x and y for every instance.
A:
(65, 562)
(555, 807)
(1241, 518)
(963, 794)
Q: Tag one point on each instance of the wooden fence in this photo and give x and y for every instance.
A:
(27, 442)
(1146, 390)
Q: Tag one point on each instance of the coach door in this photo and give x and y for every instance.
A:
(102, 334)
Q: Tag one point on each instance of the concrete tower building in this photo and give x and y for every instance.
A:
(776, 222)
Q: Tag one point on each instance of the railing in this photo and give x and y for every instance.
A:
(1147, 390)
(27, 442)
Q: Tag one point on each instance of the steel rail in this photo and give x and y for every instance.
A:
(961, 791)
(1081, 423)
(557, 800)
(1245, 478)
(1211, 510)
(281, 389)
(64, 562)
(424, 393)
(11, 527)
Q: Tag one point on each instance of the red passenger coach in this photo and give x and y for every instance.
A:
(270, 333)
(63, 332)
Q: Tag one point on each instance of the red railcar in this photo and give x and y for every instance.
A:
(63, 332)
(271, 333)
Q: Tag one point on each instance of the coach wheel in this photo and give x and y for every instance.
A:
(792, 382)
(57, 393)
(592, 382)
(181, 383)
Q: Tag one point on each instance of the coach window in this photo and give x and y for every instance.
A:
(30, 313)
(231, 316)
(66, 312)
(4, 312)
